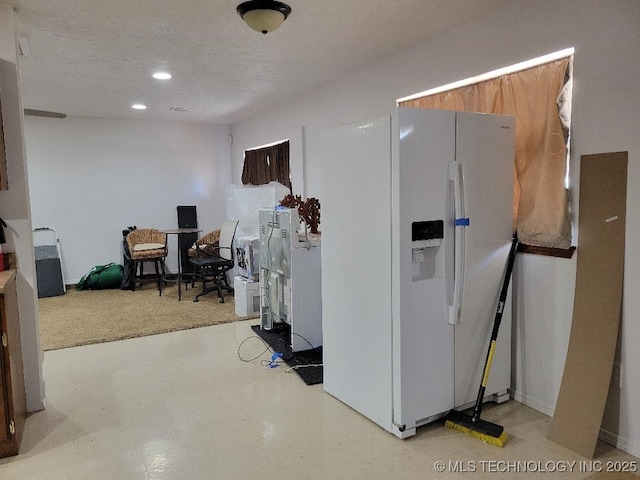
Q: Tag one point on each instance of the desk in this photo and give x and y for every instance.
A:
(180, 232)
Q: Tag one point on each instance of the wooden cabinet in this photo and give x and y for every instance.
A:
(12, 392)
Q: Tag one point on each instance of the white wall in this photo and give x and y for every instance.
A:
(91, 178)
(14, 209)
(606, 38)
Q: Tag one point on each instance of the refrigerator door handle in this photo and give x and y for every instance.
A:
(456, 176)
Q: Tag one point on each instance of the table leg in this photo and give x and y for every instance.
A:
(179, 266)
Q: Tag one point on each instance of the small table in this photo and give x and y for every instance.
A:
(180, 232)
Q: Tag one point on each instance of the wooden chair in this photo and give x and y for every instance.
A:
(205, 246)
(147, 245)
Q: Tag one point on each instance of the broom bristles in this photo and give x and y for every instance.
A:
(497, 441)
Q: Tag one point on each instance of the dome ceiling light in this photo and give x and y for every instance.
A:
(263, 15)
(161, 75)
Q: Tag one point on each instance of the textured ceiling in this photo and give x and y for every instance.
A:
(95, 57)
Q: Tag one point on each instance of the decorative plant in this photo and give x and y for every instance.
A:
(309, 210)
(290, 201)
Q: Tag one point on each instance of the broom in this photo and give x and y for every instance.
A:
(472, 424)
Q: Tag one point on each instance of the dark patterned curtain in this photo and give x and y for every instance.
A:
(279, 162)
(267, 164)
(256, 169)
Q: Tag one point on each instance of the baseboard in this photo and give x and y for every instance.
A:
(534, 403)
(36, 406)
(619, 442)
(607, 437)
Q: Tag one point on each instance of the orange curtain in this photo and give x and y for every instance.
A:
(539, 98)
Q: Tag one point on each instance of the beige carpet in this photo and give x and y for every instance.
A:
(95, 316)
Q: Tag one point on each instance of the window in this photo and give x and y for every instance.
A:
(540, 99)
(267, 164)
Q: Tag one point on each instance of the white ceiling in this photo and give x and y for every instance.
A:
(95, 57)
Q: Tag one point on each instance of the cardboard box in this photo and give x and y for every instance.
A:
(598, 302)
(246, 296)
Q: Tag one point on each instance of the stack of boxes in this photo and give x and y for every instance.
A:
(243, 204)
(246, 284)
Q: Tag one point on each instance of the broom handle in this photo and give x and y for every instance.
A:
(477, 409)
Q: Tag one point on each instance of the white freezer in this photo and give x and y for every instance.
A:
(290, 277)
(390, 351)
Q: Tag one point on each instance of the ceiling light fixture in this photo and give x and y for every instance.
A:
(263, 15)
(161, 75)
(139, 106)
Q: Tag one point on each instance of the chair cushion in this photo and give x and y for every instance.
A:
(147, 246)
(149, 254)
(205, 249)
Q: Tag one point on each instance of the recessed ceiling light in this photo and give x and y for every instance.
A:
(162, 75)
(139, 106)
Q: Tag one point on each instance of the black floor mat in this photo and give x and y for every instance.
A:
(278, 339)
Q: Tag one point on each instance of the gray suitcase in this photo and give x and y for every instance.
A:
(48, 263)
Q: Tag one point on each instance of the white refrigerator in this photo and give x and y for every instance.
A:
(415, 236)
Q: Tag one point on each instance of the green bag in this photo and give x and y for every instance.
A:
(102, 277)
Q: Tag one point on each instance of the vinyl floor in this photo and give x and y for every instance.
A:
(185, 406)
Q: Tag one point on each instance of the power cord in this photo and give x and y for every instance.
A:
(276, 357)
(267, 281)
(267, 349)
(273, 362)
(310, 344)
